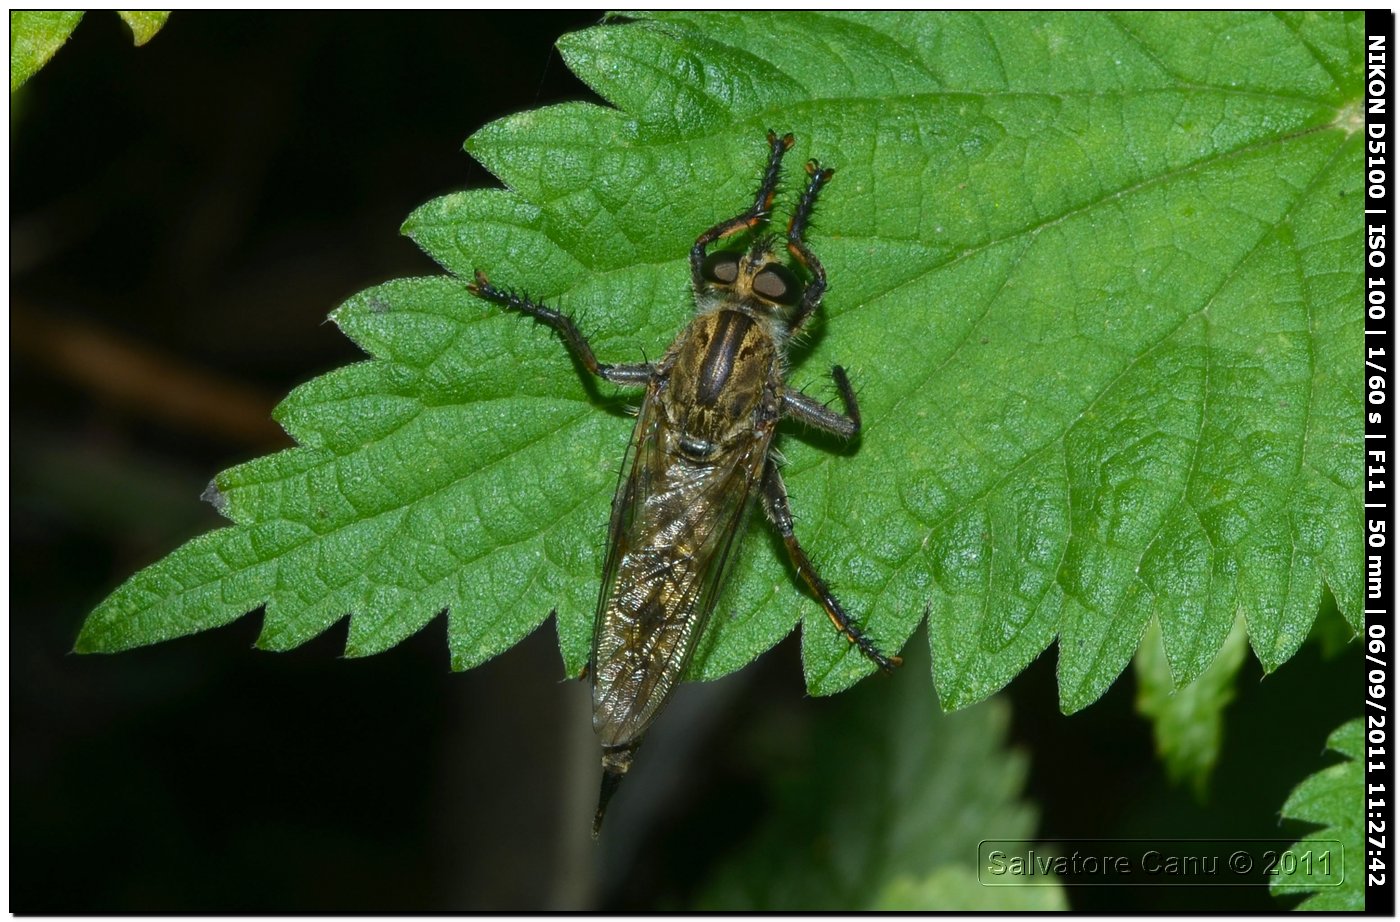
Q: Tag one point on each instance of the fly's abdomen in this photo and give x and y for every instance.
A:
(677, 523)
(650, 619)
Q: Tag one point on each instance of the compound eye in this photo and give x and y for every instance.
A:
(777, 284)
(721, 267)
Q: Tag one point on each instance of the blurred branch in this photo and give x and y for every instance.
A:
(143, 381)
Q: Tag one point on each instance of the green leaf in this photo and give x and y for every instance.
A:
(1187, 720)
(1094, 275)
(144, 23)
(883, 808)
(955, 888)
(1333, 799)
(36, 34)
(34, 37)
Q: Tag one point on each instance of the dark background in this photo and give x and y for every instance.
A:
(183, 217)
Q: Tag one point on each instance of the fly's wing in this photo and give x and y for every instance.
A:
(675, 529)
(634, 477)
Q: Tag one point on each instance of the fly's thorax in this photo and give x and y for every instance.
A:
(725, 378)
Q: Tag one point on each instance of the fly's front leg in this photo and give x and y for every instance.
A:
(563, 324)
(797, 227)
(815, 413)
(775, 503)
(755, 215)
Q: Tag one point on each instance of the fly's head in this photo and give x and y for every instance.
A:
(753, 280)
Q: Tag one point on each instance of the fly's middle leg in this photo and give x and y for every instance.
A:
(563, 324)
(775, 503)
(815, 413)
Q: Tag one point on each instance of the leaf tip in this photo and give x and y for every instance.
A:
(957, 699)
(216, 497)
(1074, 699)
(144, 24)
(1268, 664)
(423, 215)
(84, 642)
(96, 635)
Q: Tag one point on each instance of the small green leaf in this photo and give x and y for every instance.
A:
(34, 37)
(144, 23)
(955, 888)
(1094, 275)
(884, 808)
(1333, 799)
(1187, 720)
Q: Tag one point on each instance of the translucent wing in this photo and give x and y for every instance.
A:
(676, 524)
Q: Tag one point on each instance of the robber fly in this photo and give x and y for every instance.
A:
(699, 457)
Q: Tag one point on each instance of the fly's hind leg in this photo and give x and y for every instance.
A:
(563, 324)
(756, 214)
(775, 503)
